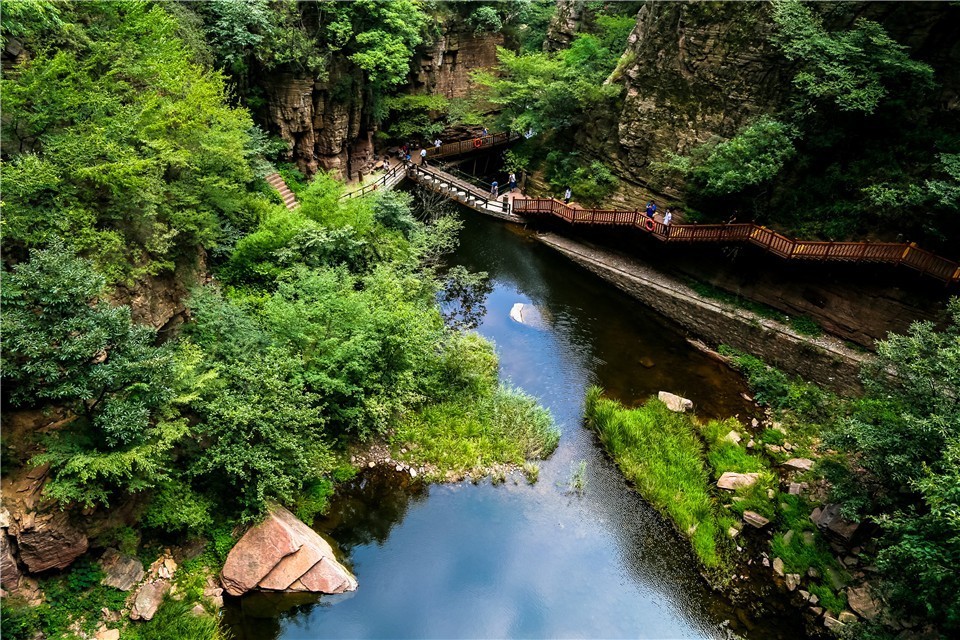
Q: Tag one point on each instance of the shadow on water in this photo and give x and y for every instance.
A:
(464, 561)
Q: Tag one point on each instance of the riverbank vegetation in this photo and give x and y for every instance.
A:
(305, 331)
(660, 452)
(889, 459)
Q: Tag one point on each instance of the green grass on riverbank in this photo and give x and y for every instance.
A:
(504, 428)
(660, 452)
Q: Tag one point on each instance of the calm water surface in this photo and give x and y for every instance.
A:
(482, 561)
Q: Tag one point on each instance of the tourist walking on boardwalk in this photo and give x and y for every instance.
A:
(513, 181)
(386, 164)
(485, 132)
(423, 157)
(566, 196)
(495, 189)
(436, 144)
(651, 209)
(668, 217)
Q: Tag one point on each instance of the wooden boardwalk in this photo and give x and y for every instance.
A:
(384, 183)
(896, 253)
(525, 209)
(462, 147)
(462, 191)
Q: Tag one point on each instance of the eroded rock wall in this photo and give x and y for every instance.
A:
(691, 71)
(444, 67)
(327, 124)
(320, 121)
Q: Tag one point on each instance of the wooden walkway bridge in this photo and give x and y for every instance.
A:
(522, 210)
(896, 253)
(463, 192)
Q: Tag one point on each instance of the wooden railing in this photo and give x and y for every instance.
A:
(897, 253)
(451, 186)
(469, 146)
(387, 180)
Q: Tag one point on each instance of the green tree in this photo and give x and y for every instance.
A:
(64, 345)
(855, 69)
(121, 144)
(752, 158)
(902, 446)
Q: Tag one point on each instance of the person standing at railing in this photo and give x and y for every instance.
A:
(494, 189)
(386, 164)
(668, 217)
(651, 209)
(436, 144)
(513, 181)
(567, 195)
(485, 133)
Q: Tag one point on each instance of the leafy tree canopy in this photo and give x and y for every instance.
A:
(118, 141)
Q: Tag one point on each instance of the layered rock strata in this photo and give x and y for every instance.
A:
(284, 554)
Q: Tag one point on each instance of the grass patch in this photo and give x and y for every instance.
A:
(174, 619)
(660, 452)
(806, 326)
(507, 427)
(74, 596)
(726, 455)
(832, 601)
(578, 478)
(773, 388)
(531, 470)
(715, 293)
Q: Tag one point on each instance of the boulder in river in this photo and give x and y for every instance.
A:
(675, 402)
(284, 554)
(527, 314)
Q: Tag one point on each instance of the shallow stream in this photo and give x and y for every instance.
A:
(515, 560)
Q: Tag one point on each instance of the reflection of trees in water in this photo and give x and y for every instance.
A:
(367, 508)
(429, 205)
(463, 297)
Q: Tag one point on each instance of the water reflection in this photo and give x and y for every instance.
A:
(466, 561)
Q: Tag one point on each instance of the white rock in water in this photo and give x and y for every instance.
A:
(675, 402)
(527, 314)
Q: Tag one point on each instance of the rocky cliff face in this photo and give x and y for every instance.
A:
(327, 125)
(691, 71)
(320, 121)
(694, 71)
(564, 24)
(444, 67)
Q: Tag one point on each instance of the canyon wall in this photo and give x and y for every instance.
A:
(328, 126)
(694, 71)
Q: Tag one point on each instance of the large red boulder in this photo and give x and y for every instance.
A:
(284, 554)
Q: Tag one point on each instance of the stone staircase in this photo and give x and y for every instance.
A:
(277, 183)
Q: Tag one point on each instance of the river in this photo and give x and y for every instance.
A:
(515, 560)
